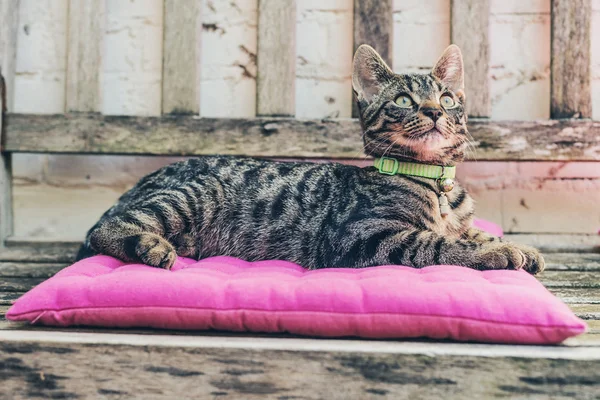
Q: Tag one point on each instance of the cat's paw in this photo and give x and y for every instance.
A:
(501, 256)
(534, 261)
(155, 251)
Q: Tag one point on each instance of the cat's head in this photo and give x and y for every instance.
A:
(415, 117)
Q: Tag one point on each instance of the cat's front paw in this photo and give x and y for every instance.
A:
(500, 256)
(154, 250)
(534, 261)
(503, 255)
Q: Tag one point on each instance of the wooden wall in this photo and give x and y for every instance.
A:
(138, 60)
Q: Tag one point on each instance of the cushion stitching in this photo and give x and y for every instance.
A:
(306, 311)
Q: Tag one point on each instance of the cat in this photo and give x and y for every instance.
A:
(323, 215)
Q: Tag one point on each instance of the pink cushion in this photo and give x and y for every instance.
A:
(487, 226)
(226, 293)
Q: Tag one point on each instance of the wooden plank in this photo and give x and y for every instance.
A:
(571, 295)
(561, 242)
(6, 208)
(84, 55)
(276, 58)
(470, 31)
(573, 262)
(63, 365)
(578, 279)
(8, 298)
(282, 137)
(374, 25)
(181, 49)
(9, 22)
(29, 270)
(39, 251)
(19, 284)
(571, 56)
(586, 311)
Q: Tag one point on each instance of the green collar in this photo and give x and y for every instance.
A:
(391, 166)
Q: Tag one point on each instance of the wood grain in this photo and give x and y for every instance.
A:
(470, 31)
(39, 251)
(84, 55)
(276, 58)
(571, 57)
(16, 269)
(8, 298)
(181, 49)
(63, 365)
(374, 25)
(279, 137)
(6, 208)
(9, 22)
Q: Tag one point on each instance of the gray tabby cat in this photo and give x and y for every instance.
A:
(323, 215)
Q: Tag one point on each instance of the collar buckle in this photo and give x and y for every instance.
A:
(388, 166)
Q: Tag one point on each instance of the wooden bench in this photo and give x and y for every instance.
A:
(94, 363)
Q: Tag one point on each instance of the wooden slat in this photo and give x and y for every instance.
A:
(6, 208)
(589, 312)
(575, 279)
(572, 295)
(571, 57)
(8, 298)
(39, 251)
(84, 60)
(11, 269)
(9, 19)
(573, 262)
(9, 22)
(374, 25)
(181, 49)
(276, 58)
(282, 137)
(19, 284)
(560, 242)
(63, 365)
(470, 31)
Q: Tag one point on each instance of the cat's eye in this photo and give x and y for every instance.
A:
(447, 101)
(404, 101)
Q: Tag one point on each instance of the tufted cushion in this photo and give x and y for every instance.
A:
(225, 293)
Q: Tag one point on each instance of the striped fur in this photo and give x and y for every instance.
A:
(319, 215)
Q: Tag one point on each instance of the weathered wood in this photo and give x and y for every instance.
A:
(573, 262)
(572, 295)
(29, 270)
(9, 22)
(470, 31)
(594, 326)
(39, 252)
(559, 242)
(374, 25)
(283, 137)
(571, 56)
(84, 55)
(579, 279)
(8, 298)
(181, 49)
(6, 209)
(586, 311)
(276, 58)
(19, 284)
(57, 364)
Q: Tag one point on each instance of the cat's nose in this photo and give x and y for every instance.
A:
(433, 113)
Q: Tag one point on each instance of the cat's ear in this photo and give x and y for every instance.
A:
(369, 73)
(449, 69)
